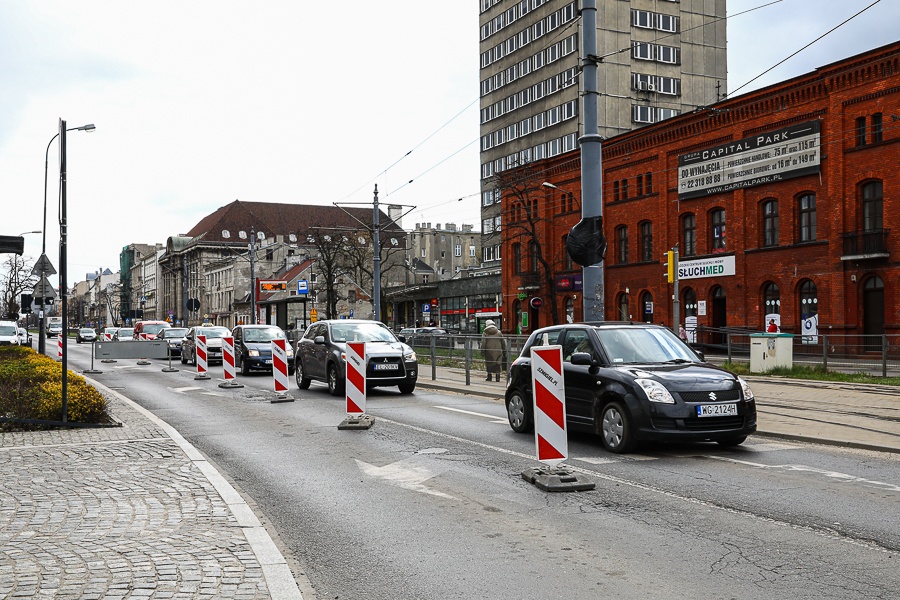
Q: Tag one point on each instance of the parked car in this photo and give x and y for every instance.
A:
(253, 348)
(417, 331)
(149, 329)
(123, 333)
(174, 338)
(86, 334)
(321, 355)
(9, 333)
(214, 335)
(639, 382)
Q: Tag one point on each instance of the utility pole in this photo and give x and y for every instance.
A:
(376, 267)
(63, 285)
(671, 264)
(253, 276)
(591, 155)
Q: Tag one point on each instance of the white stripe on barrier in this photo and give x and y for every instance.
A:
(356, 378)
(549, 405)
(279, 365)
(228, 357)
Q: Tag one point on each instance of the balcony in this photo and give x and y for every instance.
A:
(864, 245)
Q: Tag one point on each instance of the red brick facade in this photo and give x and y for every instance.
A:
(827, 239)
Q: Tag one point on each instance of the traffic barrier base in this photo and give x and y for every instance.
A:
(357, 422)
(556, 479)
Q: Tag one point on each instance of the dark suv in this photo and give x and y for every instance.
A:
(635, 382)
(321, 355)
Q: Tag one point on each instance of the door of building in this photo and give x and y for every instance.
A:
(873, 312)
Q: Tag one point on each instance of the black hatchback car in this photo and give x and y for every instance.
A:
(634, 382)
(321, 355)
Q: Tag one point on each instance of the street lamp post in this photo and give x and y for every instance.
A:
(41, 345)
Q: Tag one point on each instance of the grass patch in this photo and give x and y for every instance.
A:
(813, 373)
(31, 388)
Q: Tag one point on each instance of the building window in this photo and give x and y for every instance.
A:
(533, 251)
(646, 241)
(615, 191)
(872, 206)
(622, 307)
(622, 244)
(809, 307)
(569, 263)
(860, 131)
(517, 259)
(471, 251)
(771, 300)
(717, 230)
(770, 222)
(457, 250)
(688, 235)
(876, 128)
(806, 209)
(570, 310)
(690, 303)
(647, 307)
(640, 185)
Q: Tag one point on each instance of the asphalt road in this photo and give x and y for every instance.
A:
(430, 503)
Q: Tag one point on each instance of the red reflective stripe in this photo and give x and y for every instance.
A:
(280, 387)
(279, 364)
(546, 451)
(353, 408)
(549, 404)
(553, 358)
(356, 379)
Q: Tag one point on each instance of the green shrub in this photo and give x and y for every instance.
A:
(31, 388)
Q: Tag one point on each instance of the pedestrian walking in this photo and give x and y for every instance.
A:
(493, 346)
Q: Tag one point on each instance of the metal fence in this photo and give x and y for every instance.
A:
(458, 351)
(876, 355)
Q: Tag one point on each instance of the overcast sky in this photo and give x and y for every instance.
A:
(197, 104)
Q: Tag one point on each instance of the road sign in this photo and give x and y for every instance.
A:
(313, 315)
(426, 308)
(193, 304)
(302, 286)
(272, 285)
(44, 266)
(43, 289)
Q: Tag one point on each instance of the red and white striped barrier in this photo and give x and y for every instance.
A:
(549, 405)
(228, 363)
(201, 358)
(59, 345)
(280, 368)
(145, 337)
(107, 337)
(356, 378)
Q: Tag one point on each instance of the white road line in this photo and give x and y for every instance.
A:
(843, 477)
(494, 419)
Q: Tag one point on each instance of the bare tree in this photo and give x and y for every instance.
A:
(329, 244)
(16, 280)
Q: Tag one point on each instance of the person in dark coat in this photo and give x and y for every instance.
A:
(493, 346)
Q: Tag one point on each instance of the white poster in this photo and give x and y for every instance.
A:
(701, 308)
(810, 330)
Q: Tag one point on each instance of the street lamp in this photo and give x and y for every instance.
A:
(89, 127)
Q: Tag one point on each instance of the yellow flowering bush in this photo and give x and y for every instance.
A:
(31, 388)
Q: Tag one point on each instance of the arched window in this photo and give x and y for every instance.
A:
(806, 221)
(647, 307)
(688, 235)
(808, 296)
(517, 314)
(771, 299)
(567, 260)
(533, 251)
(872, 206)
(517, 259)
(622, 307)
(646, 240)
(770, 222)
(689, 300)
(717, 230)
(570, 310)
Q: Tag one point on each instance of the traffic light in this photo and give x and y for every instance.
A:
(670, 266)
(25, 303)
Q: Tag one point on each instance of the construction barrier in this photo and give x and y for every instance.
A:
(59, 345)
(228, 363)
(356, 378)
(549, 405)
(280, 369)
(201, 358)
(107, 337)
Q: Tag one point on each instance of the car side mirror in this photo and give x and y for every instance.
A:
(582, 359)
(402, 338)
(319, 339)
(700, 354)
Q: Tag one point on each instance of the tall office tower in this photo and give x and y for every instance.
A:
(657, 59)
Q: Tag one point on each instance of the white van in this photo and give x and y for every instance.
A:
(9, 333)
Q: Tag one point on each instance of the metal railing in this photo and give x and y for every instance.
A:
(459, 351)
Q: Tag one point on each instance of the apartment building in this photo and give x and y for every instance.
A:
(656, 59)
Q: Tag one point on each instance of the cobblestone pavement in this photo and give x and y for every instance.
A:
(126, 512)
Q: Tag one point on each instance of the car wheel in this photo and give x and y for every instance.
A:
(194, 357)
(335, 385)
(615, 429)
(735, 441)
(407, 388)
(302, 382)
(518, 411)
(245, 368)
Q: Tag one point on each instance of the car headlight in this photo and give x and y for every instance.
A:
(656, 392)
(253, 353)
(745, 387)
(290, 351)
(409, 356)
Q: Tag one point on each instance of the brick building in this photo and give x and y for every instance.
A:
(781, 202)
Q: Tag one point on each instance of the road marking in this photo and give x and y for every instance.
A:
(842, 477)
(494, 419)
(403, 473)
(193, 388)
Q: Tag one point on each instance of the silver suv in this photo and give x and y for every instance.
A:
(321, 355)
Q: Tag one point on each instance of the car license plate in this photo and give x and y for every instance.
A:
(268, 361)
(386, 366)
(716, 410)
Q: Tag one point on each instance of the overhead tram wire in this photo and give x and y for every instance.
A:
(807, 45)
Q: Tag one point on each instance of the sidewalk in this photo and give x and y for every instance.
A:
(853, 415)
(137, 512)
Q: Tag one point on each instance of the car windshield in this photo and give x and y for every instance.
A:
(643, 345)
(86, 330)
(175, 332)
(361, 332)
(263, 334)
(129, 331)
(7, 330)
(213, 332)
(154, 328)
